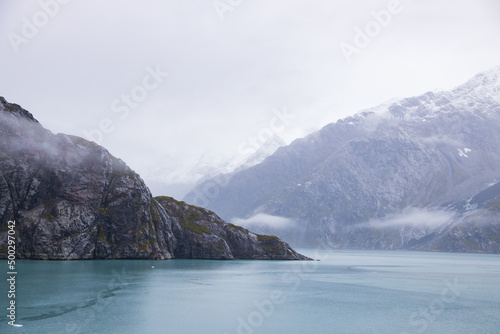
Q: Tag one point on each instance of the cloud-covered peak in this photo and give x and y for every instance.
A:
(15, 109)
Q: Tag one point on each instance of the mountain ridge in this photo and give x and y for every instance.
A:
(421, 152)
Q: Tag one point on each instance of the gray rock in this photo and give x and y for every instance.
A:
(71, 199)
(201, 234)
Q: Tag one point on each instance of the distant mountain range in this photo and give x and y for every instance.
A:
(167, 176)
(419, 173)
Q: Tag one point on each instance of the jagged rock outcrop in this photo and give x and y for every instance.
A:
(386, 178)
(71, 199)
(201, 234)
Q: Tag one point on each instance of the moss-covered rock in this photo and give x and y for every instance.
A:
(202, 234)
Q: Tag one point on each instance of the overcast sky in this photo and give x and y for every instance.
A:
(231, 64)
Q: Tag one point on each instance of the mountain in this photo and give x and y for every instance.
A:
(71, 199)
(201, 234)
(395, 177)
(167, 175)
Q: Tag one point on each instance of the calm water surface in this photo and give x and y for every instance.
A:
(345, 292)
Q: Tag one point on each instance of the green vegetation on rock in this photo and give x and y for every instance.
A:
(195, 228)
(187, 214)
(262, 237)
(239, 228)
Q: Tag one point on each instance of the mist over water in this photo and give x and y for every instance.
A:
(345, 292)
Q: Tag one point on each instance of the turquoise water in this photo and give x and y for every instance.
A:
(345, 292)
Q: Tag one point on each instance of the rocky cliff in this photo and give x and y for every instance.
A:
(387, 178)
(71, 199)
(201, 234)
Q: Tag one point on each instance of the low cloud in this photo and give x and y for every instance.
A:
(411, 217)
(264, 220)
(442, 139)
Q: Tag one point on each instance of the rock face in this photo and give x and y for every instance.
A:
(388, 178)
(201, 234)
(71, 199)
(475, 227)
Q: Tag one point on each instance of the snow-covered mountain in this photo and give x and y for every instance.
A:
(403, 175)
(168, 176)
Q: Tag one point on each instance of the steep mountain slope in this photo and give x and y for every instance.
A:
(71, 199)
(415, 160)
(201, 234)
